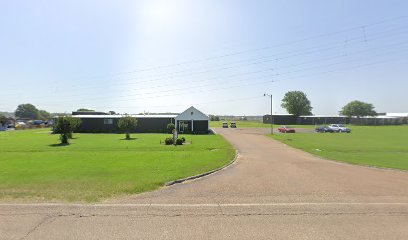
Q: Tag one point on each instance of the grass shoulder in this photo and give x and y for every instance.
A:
(35, 167)
(379, 146)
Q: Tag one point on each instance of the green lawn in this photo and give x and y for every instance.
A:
(383, 146)
(254, 124)
(97, 166)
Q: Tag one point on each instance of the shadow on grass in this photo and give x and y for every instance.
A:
(59, 144)
(128, 139)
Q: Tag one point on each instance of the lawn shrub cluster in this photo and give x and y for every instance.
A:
(179, 141)
(168, 141)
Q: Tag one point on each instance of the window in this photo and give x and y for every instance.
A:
(108, 121)
(192, 113)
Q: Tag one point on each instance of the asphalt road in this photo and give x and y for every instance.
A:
(271, 192)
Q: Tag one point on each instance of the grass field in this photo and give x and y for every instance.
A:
(382, 146)
(254, 124)
(97, 166)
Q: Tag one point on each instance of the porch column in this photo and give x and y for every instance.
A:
(192, 125)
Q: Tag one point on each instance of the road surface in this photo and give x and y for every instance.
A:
(271, 192)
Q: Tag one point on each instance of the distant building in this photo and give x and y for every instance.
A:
(386, 119)
(322, 119)
(189, 121)
(280, 119)
(378, 120)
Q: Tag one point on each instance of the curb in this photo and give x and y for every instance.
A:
(203, 174)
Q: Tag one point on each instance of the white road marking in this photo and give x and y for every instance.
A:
(198, 204)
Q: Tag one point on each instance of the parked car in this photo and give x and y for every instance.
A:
(3, 128)
(339, 128)
(286, 129)
(324, 129)
(225, 125)
(233, 125)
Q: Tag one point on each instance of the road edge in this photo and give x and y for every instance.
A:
(178, 181)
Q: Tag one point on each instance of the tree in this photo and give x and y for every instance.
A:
(358, 109)
(65, 126)
(214, 118)
(127, 124)
(112, 113)
(85, 110)
(44, 115)
(3, 120)
(170, 127)
(27, 111)
(296, 103)
(74, 124)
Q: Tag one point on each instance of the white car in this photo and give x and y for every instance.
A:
(339, 128)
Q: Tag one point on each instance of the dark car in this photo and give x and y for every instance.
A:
(286, 129)
(233, 125)
(324, 129)
(225, 125)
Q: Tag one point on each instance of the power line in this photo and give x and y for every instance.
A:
(263, 82)
(263, 70)
(365, 26)
(297, 53)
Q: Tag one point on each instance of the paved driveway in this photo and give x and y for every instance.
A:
(271, 192)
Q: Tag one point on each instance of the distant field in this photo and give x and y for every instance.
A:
(382, 146)
(97, 166)
(254, 124)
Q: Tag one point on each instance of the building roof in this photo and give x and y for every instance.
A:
(192, 113)
(379, 117)
(396, 114)
(120, 116)
(323, 116)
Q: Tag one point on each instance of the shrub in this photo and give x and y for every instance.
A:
(170, 127)
(168, 141)
(64, 138)
(65, 126)
(127, 124)
(184, 139)
(179, 141)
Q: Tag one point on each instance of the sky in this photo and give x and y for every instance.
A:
(220, 56)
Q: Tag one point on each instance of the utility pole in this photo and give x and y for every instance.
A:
(270, 96)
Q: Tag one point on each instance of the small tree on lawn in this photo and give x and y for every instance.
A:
(127, 124)
(170, 127)
(65, 126)
(74, 124)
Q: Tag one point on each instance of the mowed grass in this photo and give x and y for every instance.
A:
(34, 167)
(254, 124)
(382, 146)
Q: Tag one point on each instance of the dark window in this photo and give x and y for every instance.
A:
(108, 121)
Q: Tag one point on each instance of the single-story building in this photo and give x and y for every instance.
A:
(189, 121)
(280, 119)
(288, 119)
(378, 120)
(322, 119)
